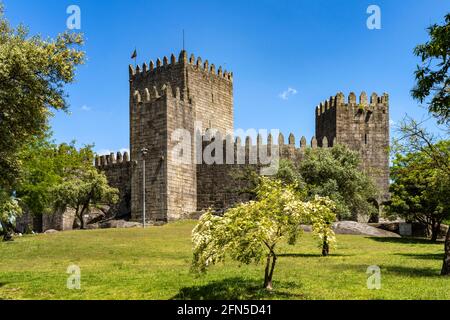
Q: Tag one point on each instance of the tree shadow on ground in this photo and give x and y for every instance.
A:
(428, 256)
(237, 289)
(412, 272)
(406, 240)
(313, 255)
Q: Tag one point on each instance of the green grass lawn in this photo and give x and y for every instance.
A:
(154, 264)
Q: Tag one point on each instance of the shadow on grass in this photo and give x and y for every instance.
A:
(237, 289)
(313, 255)
(428, 256)
(406, 240)
(412, 272)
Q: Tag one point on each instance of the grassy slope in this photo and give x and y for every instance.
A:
(154, 264)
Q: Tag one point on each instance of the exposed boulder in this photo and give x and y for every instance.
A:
(92, 226)
(352, 227)
(51, 231)
(159, 223)
(95, 215)
(119, 224)
(357, 228)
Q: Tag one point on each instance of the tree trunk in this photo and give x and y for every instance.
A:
(266, 272)
(446, 266)
(435, 229)
(7, 234)
(85, 208)
(325, 248)
(270, 267)
(81, 220)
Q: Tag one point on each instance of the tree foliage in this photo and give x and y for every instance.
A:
(334, 173)
(40, 171)
(9, 211)
(56, 177)
(327, 172)
(432, 76)
(81, 191)
(33, 72)
(250, 232)
(421, 186)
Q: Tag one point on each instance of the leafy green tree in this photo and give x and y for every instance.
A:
(248, 178)
(336, 173)
(432, 76)
(420, 189)
(59, 176)
(33, 73)
(446, 265)
(250, 232)
(432, 86)
(82, 190)
(40, 172)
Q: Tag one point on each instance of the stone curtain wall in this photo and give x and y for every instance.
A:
(61, 220)
(217, 186)
(28, 222)
(118, 172)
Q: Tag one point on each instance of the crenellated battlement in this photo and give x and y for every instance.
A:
(363, 103)
(235, 150)
(152, 94)
(169, 63)
(112, 160)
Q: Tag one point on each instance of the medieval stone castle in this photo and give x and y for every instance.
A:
(180, 93)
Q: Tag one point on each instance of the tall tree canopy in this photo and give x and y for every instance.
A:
(420, 189)
(45, 166)
(432, 76)
(433, 86)
(33, 72)
(336, 173)
(56, 177)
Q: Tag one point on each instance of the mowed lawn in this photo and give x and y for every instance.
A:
(154, 264)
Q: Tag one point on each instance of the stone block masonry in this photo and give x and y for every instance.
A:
(117, 169)
(364, 127)
(182, 93)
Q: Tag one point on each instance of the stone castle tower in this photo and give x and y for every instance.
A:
(193, 92)
(193, 95)
(363, 126)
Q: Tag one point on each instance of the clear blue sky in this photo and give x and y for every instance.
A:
(316, 47)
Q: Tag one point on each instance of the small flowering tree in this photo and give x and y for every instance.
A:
(9, 210)
(250, 232)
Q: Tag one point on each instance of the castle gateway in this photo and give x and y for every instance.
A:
(194, 96)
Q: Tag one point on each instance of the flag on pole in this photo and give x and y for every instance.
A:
(134, 55)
